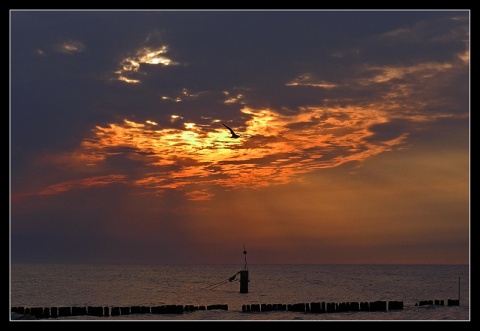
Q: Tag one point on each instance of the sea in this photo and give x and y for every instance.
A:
(74, 285)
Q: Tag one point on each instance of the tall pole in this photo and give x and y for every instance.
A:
(245, 253)
(244, 275)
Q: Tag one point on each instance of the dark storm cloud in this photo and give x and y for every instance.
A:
(435, 36)
(78, 80)
(251, 49)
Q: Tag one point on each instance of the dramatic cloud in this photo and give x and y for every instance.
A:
(353, 134)
(131, 66)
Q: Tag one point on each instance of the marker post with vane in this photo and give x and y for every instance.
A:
(244, 275)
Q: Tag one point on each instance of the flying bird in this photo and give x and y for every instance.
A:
(234, 135)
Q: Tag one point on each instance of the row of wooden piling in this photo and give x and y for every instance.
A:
(329, 307)
(332, 307)
(438, 302)
(54, 312)
(312, 307)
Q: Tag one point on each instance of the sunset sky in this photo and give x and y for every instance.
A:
(354, 139)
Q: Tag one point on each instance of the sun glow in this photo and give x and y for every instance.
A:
(272, 148)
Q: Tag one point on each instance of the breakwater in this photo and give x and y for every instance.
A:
(312, 307)
(105, 311)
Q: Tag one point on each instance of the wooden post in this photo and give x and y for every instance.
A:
(243, 281)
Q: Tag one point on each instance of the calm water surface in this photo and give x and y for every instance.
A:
(155, 285)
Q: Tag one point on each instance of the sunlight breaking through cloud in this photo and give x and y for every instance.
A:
(232, 98)
(130, 66)
(279, 148)
(275, 147)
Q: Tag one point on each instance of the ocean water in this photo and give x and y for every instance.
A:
(57, 285)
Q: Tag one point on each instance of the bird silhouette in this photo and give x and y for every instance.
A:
(234, 135)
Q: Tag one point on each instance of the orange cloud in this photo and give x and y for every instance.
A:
(273, 148)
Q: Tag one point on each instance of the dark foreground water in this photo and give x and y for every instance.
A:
(155, 285)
